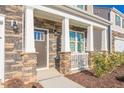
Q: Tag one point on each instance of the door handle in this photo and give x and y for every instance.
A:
(0, 37)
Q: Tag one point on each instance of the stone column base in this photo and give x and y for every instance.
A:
(65, 62)
(90, 62)
(29, 67)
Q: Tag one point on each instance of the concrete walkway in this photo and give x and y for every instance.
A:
(51, 78)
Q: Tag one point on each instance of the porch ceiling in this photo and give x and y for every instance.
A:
(53, 17)
(46, 15)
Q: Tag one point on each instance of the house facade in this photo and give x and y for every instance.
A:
(35, 38)
(116, 30)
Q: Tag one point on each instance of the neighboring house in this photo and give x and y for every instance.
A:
(116, 32)
(33, 38)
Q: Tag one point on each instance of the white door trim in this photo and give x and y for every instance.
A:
(47, 48)
(2, 20)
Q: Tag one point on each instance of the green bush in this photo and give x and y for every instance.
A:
(104, 63)
(99, 64)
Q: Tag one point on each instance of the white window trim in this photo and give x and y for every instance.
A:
(76, 41)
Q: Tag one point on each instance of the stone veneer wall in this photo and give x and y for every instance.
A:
(116, 34)
(65, 63)
(29, 67)
(13, 41)
(54, 40)
(17, 65)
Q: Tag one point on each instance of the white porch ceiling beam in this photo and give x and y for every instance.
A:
(62, 14)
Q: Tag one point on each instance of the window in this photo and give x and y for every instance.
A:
(122, 23)
(83, 7)
(77, 42)
(39, 36)
(80, 6)
(117, 20)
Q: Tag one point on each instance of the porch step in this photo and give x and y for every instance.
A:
(47, 74)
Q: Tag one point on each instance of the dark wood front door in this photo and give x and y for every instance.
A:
(41, 47)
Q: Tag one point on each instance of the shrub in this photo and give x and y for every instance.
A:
(100, 63)
(104, 63)
(122, 58)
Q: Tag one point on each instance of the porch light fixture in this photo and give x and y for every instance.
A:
(14, 26)
(54, 31)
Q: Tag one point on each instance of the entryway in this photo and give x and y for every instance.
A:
(41, 46)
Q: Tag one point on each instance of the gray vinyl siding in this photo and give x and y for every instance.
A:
(102, 12)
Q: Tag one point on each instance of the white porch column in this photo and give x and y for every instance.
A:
(90, 42)
(65, 45)
(29, 30)
(104, 40)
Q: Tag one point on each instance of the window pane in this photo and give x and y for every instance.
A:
(80, 37)
(72, 36)
(72, 46)
(117, 20)
(38, 35)
(123, 23)
(80, 43)
(80, 6)
(80, 47)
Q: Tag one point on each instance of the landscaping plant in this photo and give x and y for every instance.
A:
(104, 63)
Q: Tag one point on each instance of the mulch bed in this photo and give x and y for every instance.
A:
(89, 80)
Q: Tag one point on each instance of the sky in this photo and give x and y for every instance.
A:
(119, 7)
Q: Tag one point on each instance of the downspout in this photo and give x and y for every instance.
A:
(110, 33)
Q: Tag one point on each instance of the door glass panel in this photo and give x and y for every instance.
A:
(39, 35)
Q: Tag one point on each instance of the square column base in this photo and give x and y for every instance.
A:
(65, 62)
(29, 67)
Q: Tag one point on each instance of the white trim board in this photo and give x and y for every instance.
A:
(62, 14)
(2, 47)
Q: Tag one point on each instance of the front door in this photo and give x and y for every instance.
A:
(41, 47)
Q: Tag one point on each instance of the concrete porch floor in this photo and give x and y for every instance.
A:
(51, 78)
